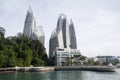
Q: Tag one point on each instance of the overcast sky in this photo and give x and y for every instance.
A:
(96, 22)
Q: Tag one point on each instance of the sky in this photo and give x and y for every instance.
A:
(96, 22)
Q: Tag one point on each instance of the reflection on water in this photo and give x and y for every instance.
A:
(61, 75)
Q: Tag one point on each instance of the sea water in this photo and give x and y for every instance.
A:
(61, 75)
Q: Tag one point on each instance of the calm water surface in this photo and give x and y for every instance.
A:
(61, 75)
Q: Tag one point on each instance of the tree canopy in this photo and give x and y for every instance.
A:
(21, 51)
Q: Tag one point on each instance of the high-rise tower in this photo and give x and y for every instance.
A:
(62, 36)
(29, 24)
(30, 29)
(63, 27)
(73, 43)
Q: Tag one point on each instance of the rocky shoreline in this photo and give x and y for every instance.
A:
(43, 69)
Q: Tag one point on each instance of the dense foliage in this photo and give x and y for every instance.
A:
(21, 51)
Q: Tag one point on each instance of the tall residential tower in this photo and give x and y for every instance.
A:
(73, 43)
(30, 29)
(63, 36)
(29, 24)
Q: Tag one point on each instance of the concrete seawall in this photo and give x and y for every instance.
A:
(41, 69)
(36, 69)
(88, 68)
(28, 69)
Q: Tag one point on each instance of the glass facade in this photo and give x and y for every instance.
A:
(63, 36)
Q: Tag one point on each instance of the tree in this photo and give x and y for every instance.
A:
(69, 61)
(79, 59)
(97, 63)
(21, 51)
(90, 61)
(1, 35)
(2, 59)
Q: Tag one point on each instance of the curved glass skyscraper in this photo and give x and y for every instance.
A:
(63, 36)
(73, 44)
(30, 29)
(29, 24)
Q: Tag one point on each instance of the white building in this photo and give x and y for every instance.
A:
(61, 56)
(106, 59)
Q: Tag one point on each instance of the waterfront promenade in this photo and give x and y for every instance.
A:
(60, 68)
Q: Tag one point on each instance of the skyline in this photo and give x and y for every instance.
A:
(96, 23)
